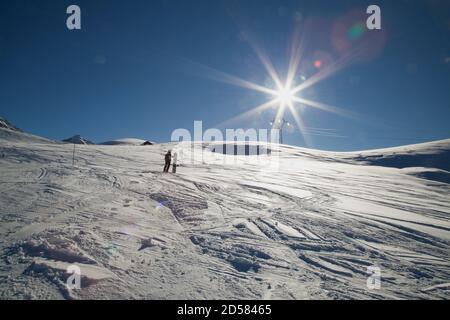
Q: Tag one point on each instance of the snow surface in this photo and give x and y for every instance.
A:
(306, 229)
(433, 155)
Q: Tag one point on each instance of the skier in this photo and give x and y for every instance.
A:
(168, 159)
(174, 165)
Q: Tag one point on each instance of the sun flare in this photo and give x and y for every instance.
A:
(285, 95)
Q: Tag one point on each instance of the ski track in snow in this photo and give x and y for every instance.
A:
(307, 231)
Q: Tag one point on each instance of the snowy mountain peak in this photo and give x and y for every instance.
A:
(5, 124)
(77, 139)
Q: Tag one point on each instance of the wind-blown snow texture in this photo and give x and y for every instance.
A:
(306, 231)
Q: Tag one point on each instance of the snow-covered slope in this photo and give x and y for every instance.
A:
(77, 139)
(429, 155)
(426, 160)
(299, 224)
(9, 133)
(5, 124)
(8, 136)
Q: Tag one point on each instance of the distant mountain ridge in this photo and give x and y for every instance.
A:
(78, 139)
(433, 155)
(127, 142)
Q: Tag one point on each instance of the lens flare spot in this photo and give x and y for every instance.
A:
(318, 64)
(356, 31)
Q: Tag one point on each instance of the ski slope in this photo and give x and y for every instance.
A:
(307, 228)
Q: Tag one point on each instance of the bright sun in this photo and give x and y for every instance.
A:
(285, 95)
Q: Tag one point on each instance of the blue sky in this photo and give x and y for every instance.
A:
(139, 68)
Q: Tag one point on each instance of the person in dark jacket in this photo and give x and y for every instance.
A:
(168, 159)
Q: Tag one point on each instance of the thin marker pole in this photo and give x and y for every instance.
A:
(73, 156)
